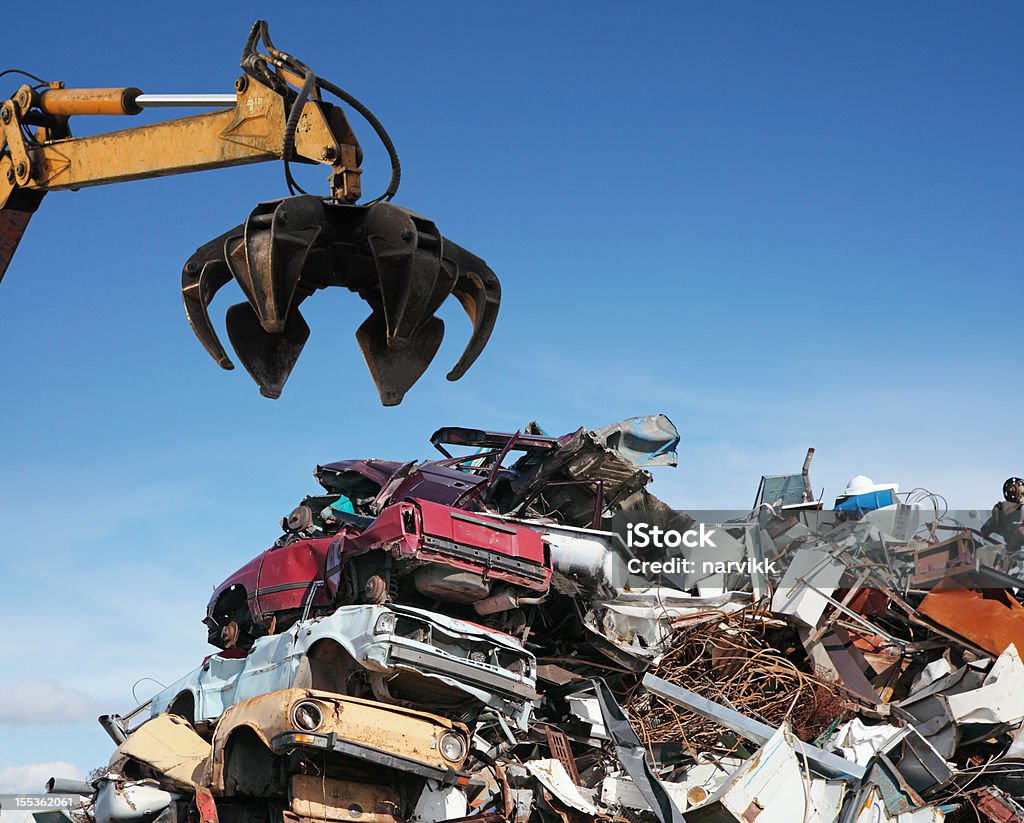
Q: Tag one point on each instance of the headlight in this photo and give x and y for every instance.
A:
(453, 746)
(307, 716)
(385, 624)
(478, 657)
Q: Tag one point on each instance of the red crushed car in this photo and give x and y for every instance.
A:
(414, 551)
(450, 555)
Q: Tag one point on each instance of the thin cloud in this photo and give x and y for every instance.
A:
(30, 778)
(44, 703)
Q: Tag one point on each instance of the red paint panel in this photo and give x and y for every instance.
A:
(477, 530)
(287, 573)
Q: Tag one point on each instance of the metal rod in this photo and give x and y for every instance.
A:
(114, 726)
(64, 785)
(806, 472)
(166, 101)
(1002, 578)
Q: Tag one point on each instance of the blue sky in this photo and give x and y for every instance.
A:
(782, 225)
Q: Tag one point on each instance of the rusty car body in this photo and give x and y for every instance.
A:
(330, 757)
(308, 721)
(449, 554)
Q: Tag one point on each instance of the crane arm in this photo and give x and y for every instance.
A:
(252, 131)
(286, 249)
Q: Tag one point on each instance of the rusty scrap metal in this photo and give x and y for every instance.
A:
(731, 661)
(747, 727)
(989, 618)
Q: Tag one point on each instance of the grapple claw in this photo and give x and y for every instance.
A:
(268, 356)
(479, 292)
(396, 260)
(396, 369)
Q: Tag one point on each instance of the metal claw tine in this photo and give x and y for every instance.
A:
(233, 252)
(391, 236)
(268, 356)
(395, 370)
(432, 280)
(407, 251)
(197, 297)
(202, 276)
(278, 237)
(479, 292)
(447, 277)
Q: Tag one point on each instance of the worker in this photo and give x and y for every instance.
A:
(1007, 518)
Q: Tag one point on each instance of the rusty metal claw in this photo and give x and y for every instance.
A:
(269, 260)
(394, 259)
(268, 356)
(396, 368)
(479, 292)
(201, 277)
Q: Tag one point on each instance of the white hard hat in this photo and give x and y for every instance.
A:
(860, 484)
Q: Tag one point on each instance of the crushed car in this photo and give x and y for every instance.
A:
(391, 652)
(315, 755)
(416, 552)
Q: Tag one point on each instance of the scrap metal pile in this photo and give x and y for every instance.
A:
(472, 638)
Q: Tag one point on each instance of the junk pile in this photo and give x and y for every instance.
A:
(481, 638)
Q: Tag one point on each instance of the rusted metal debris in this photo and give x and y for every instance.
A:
(468, 640)
(735, 660)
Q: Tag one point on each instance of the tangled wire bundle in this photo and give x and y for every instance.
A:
(731, 662)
